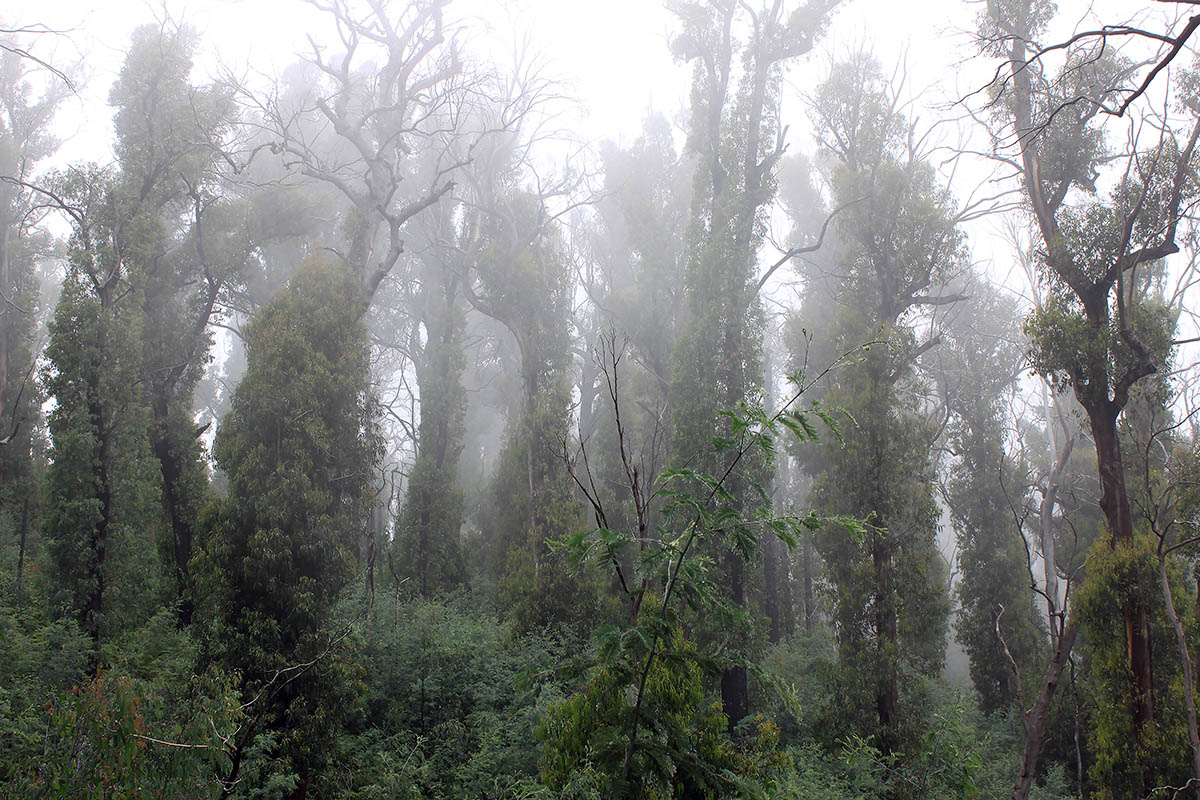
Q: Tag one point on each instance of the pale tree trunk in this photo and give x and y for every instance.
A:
(1049, 495)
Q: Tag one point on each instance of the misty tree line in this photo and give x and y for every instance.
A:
(356, 442)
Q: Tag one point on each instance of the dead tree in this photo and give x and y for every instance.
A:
(385, 126)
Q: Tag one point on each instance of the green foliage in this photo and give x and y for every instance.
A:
(100, 523)
(26, 116)
(298, 447)
(429, 527)
(182, 241)
(39, 662)
(897, 248)
(960, 754)
(642, 724)
(683, 748)
(889, 607)
(998, 620)
(112, 738)
(718, 360)
(452, 701)
(533, 504)
(148, 727)
(129, 340)
(1118, 572)
(279, 689)
(525, 283)
(1072, 352)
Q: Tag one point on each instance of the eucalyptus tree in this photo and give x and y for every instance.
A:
(520, 276)
(897, 249)
(998, 625)
(194, 241)
(386, 102)
(26, 115)
(130, 334)
(1093, 335)
(1165, 499)
(630, 264)
(299, 447)
(279, 550)
(739, 53)
(460, 266)
(394, 115)
(427, 542)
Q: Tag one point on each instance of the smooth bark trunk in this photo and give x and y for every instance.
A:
(1036, 718)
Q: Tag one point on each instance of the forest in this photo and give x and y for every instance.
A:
(366, 433)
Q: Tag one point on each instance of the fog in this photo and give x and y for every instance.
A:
(637, 399)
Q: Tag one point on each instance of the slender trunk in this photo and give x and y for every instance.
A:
(806, 567)
(1049, 496)
(369, 603)
(7, 309)
(1050, 558)
(423, 555)
(735, 683)
(174, 504)
(534, 484)
(588, 392)
(1185, 658)
(21, 549)
(533, 478)
(93, 601)
(1036, 718)
(771, 605)
(887, 630)
(787, 610)
(301, 790)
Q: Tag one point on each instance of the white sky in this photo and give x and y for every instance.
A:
(611, 55)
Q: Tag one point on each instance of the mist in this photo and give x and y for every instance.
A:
(682, 399)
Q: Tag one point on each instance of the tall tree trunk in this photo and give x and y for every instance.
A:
(93, 600)
(1114, 502)
(1046, 511)
(771, 588)
(806, 568)
(1035, 719)
(181, 524)
(7, 309)
(1092, 387)
(735, 681)
(1078, 737)
(887, 631)
(20, 587)
(301, 790)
